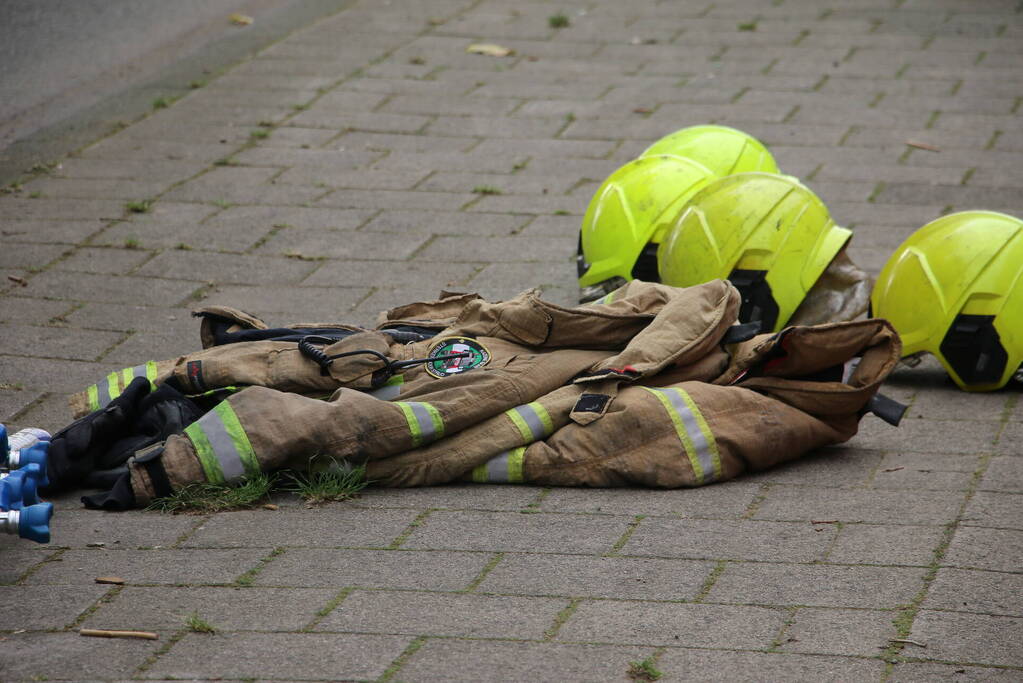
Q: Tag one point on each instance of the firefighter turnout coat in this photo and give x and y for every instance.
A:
(651, 386)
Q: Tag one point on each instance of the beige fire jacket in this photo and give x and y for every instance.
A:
(643, 388)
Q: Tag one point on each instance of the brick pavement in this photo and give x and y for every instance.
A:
(367, 160)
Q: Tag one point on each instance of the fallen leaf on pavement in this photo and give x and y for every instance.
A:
(18, 280)
(117, 580)
(489, 49)
(240, 19)
(922, 145)
(107, 633)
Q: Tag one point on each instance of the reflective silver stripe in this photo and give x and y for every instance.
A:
(103, 392)
(529, 415)
(497, 469)
(388, 392)
(223, 446)
(425, 419)
(702, 449)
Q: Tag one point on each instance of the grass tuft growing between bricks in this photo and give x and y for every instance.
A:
(328, 486)
(486, 189)
(197, 624)
(559, 20)
(205, 498)
(139, 206)
(644, 670)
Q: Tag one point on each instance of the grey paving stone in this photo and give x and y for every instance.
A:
(505, 531)
(471, 161)
(996, 593)
(112, 261)
(816, 585)
(1009, 439)
(1003, 474)
(256, 218)
(443, 614)
(410, 280)
(38, 608)
(166, 609)
(127, 317)
(500, 249)
(980, 548)
(149, 345)
(394, 569)
(17, 209)
(446, 223)
(1001, 510)
(456, 141)
(227, 268)
(863, 633)
(969, 638)
(394, 199)
(18, 556)
(922, 477)
(334, 157)
(159, 564)
(856, 505)
(482, 660)
(44, 231)
(294, 137)
(97, 188)
(313, 245)
(842, 465)
(503, 184)
(130, 530)
(928, 436)
(29, 255)
(495, 126)
(597, 577)
(332, 527)
(14, 400)
(452, 496)
(755, 667)
(52, 375)
(671, 624)
(730, 540)
(290, 304)
(279, 655)
(886, 544)
(87, 658)
(727, 500)
(146, 291)
(360, 179)
(920, 672)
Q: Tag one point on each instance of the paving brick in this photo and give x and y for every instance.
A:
(53, 375)
(996, 593)
(725, 500)
(980, 548)
(334, 157)
(37, 608)
(18, 557)
(394, 569)
(452, 496)
(111, 261)
(852, 505)
(1003, 474)
(915, 672)
(166, 609)
(863, 633)
(293, 656)
(624, 578)
(446, 222)
(556, 205)
(333, 527)
(294, 137)
(928, 436)
(481, 660)
(44, 231)
(17, 209)
(816, 585)
(511, 532)
(412, 279)
(729, 540)
(446, 614)
(1002, 510)
(500, 281)
(969, 638)
(14, 400)
(312, 245)
(393, 199)
(833, 466)
(496, 183)
(25, 340)
(290, 304)
(25, 256)
(886, 544)
(159, 564)
(753, 667)
(79, 527)
(500, 249)
(229, 268)
(672, 624)
(88, 658)
(111, 289)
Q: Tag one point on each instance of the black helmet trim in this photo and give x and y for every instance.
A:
(757, 300)
(645, 267)
(974, 350)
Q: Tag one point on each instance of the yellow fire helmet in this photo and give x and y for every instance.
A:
(722, 149)
(954, 288)
(768, 234)
(627, 217)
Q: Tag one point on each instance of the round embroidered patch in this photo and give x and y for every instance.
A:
(476, 355)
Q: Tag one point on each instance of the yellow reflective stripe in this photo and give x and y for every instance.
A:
(112, 390)
(694, 433)
(127, 375)
(505, 468)
(92, 395)
(151, 372)
(532, 420)
(424, 421)
(223, 446)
